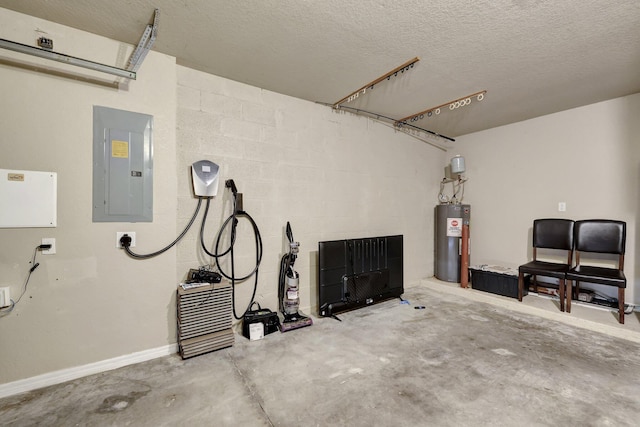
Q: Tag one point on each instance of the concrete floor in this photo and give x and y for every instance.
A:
(467, 359)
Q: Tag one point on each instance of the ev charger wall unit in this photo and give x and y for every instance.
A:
(205, 175)
(122, 166)
(29, 199)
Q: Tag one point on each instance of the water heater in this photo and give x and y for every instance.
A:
(448, 246)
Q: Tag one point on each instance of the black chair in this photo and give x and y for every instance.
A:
(601, 236)
(551, 234)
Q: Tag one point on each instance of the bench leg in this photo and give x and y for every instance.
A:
(520, 286)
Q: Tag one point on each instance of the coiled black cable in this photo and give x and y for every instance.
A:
(172, 244)
(233, 221)
(202, 225)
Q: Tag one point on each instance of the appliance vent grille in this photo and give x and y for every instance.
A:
(204, 319)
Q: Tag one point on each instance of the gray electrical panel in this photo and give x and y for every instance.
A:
(122, 166)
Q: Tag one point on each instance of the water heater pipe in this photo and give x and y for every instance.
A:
(464, 257)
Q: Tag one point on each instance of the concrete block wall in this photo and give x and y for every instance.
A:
(331, 174)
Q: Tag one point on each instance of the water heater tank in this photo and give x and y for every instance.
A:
(449, 221)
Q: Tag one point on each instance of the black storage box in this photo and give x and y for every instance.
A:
(498, 283)
(266, 319)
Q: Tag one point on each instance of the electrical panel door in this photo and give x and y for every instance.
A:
(122, 166)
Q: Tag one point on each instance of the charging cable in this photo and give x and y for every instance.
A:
(6, 310)
(232, 223)
(125, 240)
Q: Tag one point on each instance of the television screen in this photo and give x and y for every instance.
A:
(357, 272)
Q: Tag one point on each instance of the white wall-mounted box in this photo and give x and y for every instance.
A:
(28, 198)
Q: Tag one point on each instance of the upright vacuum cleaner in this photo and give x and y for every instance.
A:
(288, 291)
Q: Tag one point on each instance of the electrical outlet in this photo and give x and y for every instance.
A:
(562, 207)
(49, 241)
(131, 234)
(5, 297)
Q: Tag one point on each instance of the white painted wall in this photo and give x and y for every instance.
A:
(332, 175)
(588, 157)
(89, 302)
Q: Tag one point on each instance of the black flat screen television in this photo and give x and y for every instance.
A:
(356, 272)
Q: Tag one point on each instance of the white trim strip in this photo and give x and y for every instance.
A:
(63, 375)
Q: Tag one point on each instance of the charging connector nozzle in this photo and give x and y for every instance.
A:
(232, 185)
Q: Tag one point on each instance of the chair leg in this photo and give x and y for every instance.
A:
(561, 293)
(535, 283)
(621, 305)
(520, 285)
(569, 292)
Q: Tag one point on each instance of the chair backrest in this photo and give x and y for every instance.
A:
(604, 236)
(553, 233)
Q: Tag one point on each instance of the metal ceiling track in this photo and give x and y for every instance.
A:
(138, 55)
(145, 44)
(66, 59)
(456, 103)
(401, 69)
(383, 118)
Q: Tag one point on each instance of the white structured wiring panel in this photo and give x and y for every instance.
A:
(28, 198)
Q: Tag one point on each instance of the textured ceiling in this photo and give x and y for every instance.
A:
(533, 57)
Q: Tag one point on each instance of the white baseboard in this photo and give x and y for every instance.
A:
(63, 375)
